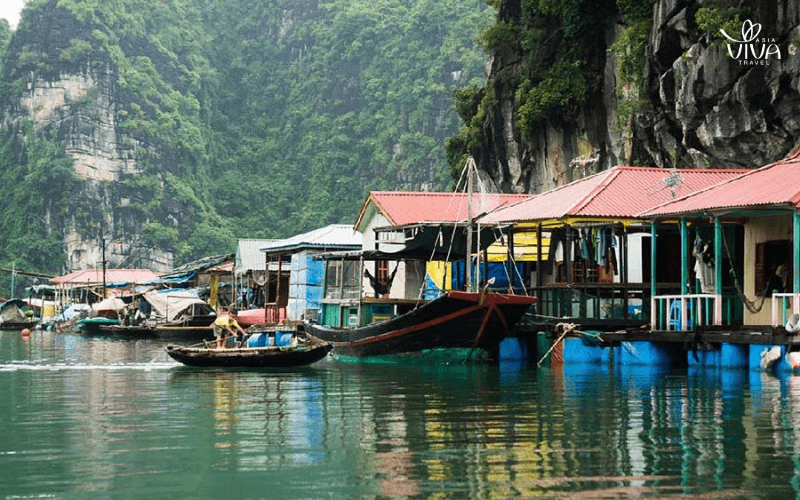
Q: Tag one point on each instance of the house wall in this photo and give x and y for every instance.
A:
(405, 279)
(414, 280)
(635, 259)
(759, 230)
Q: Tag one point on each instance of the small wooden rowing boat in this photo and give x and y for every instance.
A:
(303, 350)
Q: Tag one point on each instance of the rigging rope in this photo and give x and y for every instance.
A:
(452, 238)
(514, 265)
(567, 328)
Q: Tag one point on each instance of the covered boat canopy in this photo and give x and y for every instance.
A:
(172, 303)
(12, 310)
(110, 304)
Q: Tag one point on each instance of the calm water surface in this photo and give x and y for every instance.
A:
(111, 418)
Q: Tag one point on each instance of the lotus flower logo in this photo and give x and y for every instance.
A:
(752, 50)
(750, 31)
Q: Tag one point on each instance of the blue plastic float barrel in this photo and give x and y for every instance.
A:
(283, 338)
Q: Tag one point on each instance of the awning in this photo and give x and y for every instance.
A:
(434, 240)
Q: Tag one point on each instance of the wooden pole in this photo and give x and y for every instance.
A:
(684, 256)
(653, 288)
(470, 164)
(718, 270)
(104, 268)
(796, 262)
(684, 271)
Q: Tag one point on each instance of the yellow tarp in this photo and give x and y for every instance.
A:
(525, 249)
(435, 272)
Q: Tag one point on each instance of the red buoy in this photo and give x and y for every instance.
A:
(26, 332)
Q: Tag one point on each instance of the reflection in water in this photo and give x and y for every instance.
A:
(110, 418)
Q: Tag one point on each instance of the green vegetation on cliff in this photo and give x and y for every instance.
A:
(251, 119)
(560, 46)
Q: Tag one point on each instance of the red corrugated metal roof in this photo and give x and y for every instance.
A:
(403, 207)
(777, 184)
(95, 276)
(620, 192)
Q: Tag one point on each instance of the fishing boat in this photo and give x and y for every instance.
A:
(454, 320)
(303, 350)
(13, 316)
(169, 313)
(389, 320)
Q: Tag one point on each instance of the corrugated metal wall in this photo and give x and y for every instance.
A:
(305, 286)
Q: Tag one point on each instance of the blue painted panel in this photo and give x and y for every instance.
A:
(734, 355)
(578, 351)
(646, 354)
(500, 271)
(513, 349)
(703, 358)
(316, 272)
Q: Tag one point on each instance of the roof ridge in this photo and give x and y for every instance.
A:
(703, 190)
(611, 174)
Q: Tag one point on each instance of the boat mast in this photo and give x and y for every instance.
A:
(468, 266)
(104, 267)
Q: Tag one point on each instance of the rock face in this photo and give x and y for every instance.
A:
(79, 107)
(78, 103)
(703, 105)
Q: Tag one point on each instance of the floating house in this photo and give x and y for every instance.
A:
(296, 275)
(210, 276)
(405, 238)
(90, 285)
(414, 223)
(587, 252)
(748, 229)
(250, 273)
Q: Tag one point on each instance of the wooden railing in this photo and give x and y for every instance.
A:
(685, 312)
(593, 301)
(780, 303)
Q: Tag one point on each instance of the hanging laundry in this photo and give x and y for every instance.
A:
(703, 269)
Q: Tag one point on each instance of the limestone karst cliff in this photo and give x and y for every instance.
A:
(658, 85)
(65, 86)
(168, 129)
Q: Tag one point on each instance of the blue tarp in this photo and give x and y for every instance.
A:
(174, 279)
(500, 271)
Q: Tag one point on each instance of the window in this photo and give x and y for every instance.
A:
(342, 280)
(351, 286)
(382, 270)
(333, 279)
(773, 267)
